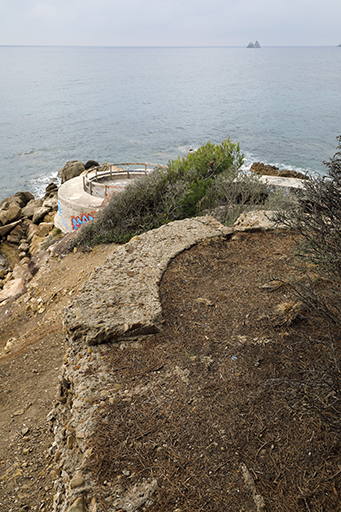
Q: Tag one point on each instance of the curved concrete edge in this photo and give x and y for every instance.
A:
(75, 206)
(119, 301)
(121, 298)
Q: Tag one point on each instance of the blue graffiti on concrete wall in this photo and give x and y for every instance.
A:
(82, 218)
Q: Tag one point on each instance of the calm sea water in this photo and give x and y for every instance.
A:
(152, 104)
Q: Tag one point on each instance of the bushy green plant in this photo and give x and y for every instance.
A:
(316, 216)
(171, 193)
(193, 185)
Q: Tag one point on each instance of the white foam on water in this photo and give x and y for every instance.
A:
(38, 185)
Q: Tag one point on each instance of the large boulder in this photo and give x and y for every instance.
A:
(20, 198)
(91, 163)
(40, 213)
(70, 170)
(31, 207)
(16, 235)
(4, 230)
(10, 215)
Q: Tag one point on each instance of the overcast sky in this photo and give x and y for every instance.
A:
(170, 22)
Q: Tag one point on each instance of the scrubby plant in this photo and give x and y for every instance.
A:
(316, 217)
(189, 186)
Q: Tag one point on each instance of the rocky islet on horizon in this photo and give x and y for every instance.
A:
(254, 45)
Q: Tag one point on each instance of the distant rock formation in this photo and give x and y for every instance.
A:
(271, 170)
(253, 45)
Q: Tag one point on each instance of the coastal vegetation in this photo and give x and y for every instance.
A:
(202, 182)
(316, 217)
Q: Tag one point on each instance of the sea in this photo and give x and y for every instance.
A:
(153, 104)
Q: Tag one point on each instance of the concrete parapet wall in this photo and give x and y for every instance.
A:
(75, 206)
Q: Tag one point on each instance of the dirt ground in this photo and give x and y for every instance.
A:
(28, 377)
(234, 406)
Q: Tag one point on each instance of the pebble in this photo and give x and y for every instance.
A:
(77, 481)
(77, 506)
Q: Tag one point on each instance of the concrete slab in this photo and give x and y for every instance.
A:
(279, 181)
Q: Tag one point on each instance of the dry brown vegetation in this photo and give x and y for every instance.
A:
(235, 403)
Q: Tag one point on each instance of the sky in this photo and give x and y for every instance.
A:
(170, 22)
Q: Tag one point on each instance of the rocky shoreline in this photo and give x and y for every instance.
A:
(25, 224)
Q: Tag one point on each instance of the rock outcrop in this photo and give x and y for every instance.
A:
(118, 305)
(70, 170)
(91, 163)
(271, 170)
(253, 45)
(25, 222)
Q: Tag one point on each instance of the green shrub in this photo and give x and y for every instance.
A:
(169, 193)
(197, 184)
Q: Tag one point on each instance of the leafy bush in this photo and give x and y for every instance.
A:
(197, 184)
(167, 194)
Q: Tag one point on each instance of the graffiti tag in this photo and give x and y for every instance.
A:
(82, 218)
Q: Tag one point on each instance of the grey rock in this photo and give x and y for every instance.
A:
(77, 481)
(51, 202)
(91, 163)
(15, 235)
(77, 506)
(31, 207)
(253, 45)
(70, 170)
(24, 246)
(20, 198)
(4, 230)
(40, 213)
(104, 312)
(51, 187)
(10, 215)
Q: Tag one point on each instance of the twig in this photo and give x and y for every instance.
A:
(143, 435)
(305, 500)
(331, 477)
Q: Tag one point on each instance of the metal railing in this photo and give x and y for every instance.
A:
(98, 181)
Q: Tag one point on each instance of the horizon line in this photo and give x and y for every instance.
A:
(161, 46)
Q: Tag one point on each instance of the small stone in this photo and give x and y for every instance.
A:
(19, 412)
(69, 442)
(202, 300)
(77, 506)
(77, 481)
(24, 430)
